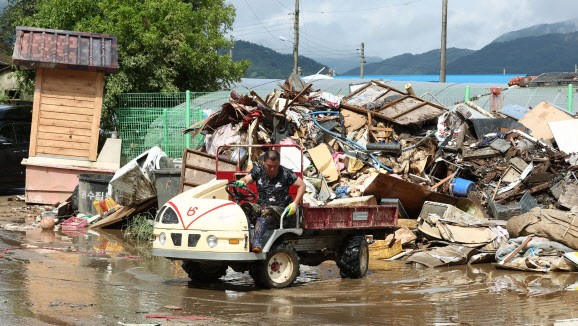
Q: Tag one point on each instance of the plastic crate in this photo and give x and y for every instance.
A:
(74, 223)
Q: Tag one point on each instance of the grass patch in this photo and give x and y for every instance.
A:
(139, 227)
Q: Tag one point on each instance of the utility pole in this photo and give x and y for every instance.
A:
(362, 60)
(296, 39)
(444, 36)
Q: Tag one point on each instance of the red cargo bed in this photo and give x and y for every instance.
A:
(356, 217)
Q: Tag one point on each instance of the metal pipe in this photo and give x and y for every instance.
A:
(166, 129)
(570, 95)
(188, 118)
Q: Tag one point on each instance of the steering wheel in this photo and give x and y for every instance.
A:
(240, 193)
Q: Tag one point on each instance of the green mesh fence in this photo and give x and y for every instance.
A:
(482, 96)
(158, 119)
(146, 120)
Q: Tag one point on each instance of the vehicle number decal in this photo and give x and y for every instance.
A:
(192, 211)
(360, 216)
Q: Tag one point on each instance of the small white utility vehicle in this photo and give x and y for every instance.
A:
(207, 229)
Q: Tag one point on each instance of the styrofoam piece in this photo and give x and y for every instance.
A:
(565, 134)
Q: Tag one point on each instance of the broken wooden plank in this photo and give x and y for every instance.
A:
(123, 212)
(287, 105)
(388, 103)
(517, 250)
(504, 197)
(199, 168)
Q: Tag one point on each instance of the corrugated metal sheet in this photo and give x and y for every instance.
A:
(555, 79)
(49, 48)
(514, 111)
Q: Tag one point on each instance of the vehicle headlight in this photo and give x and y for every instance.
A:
(162, 238)
(212, 241)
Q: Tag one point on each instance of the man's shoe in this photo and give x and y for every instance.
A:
(261, 226)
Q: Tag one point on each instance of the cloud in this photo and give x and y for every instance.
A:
(389, 27)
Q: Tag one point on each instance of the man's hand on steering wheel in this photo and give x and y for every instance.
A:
(239, 191)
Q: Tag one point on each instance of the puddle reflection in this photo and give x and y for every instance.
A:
(98, 277)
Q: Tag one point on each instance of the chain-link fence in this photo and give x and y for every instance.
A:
(495, 98)
(158, 119)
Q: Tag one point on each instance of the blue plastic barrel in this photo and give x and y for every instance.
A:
(461, 187)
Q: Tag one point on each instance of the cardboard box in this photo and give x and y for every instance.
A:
(380, 249)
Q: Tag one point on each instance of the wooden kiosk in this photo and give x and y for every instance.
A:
(68, 91)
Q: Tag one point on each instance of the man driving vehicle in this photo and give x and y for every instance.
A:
(273, 182)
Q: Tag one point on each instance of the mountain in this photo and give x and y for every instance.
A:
(266, 63)
(427, 63)
(526, 55)
(342, 65)
(532, 50)
(568, 26)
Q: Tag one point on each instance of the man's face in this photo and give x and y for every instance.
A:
(271, 166)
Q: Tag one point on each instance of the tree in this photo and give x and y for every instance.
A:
(13, 12)
(163, 45)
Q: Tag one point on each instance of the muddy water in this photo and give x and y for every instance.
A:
(100, 279)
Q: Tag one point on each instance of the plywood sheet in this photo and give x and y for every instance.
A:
(538, 118)
(323, 161)
(353, 121)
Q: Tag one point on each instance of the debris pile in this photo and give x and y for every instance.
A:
(389, 144)
(463, 175)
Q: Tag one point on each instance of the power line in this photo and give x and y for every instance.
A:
(254, 14)
(272, 20)
(282, 5)
(257, 32)
(365, 9)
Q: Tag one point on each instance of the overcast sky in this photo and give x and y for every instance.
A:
(335, 28)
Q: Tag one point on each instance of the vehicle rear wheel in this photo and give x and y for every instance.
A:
(279, 269)
(355, 258)
(204, 272)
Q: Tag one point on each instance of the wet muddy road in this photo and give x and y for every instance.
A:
(100, 279)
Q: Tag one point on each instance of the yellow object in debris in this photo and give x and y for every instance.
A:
(98, 207)
(380, 250)
(110, 203)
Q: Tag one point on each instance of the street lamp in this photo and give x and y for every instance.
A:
(295, 54)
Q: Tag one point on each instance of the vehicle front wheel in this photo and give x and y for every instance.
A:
(279, 270)
(355, 258)
(204, 272)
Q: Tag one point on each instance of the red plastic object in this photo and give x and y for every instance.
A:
(74, 223)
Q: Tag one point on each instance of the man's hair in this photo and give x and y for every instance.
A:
(272, 155)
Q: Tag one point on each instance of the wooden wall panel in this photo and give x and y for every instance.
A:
(62, 136)
(63, 151)
(66, 113)
(64, 131)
